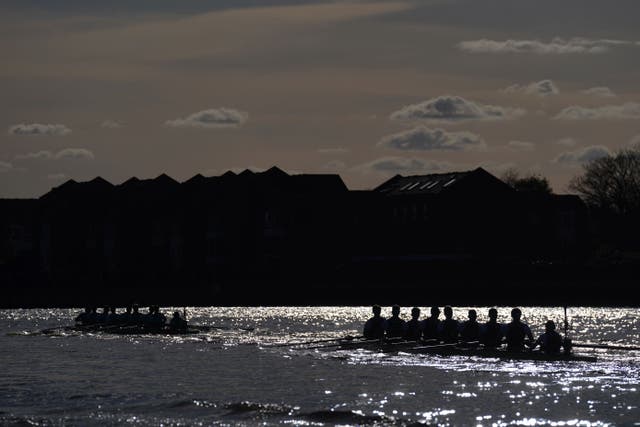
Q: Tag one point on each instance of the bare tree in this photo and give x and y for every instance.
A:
(611, 183)
(529, 183)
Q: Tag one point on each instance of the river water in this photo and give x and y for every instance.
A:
(236, 377)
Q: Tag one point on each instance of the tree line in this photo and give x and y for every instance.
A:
(610, 187)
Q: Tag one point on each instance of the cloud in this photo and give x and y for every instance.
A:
(521, 145)
(453, 108)
(567, 142)
(39, 129)
(403, 165)
(557, 46)
(333, 150)
(583, 155)
(5, 167)
(335, 165)
(424, 139)
(629, 110)
(67, 153)
(600, 91)
(541, 88)
(56, 176)
(211, 118)
(111, 124)
(74, 153)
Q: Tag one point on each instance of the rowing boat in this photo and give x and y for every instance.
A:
(446, 350)
(127, 330)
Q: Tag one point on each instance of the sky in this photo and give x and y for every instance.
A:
(364, 89)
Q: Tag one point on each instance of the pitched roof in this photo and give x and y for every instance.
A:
(422, 184)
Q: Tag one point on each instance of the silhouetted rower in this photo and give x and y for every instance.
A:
(450, 327)
(104, 316)
(414, 326)
(517, 332)
(551, 341)
(177, 322)
(83, 318)
(136, 317)
(431, 325)
(375, 327)
(125, 318)
(492, 331)
(114, 317)
(471, 328)
(395, 327)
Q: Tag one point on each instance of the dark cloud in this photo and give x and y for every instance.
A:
(39, 129)
(541, 88)
(211, 118)
(583, 155)
(629, 110)
(557, 46)
(453, 108)
(424, 139)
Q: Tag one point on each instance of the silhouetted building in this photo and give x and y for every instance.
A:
(273, 231)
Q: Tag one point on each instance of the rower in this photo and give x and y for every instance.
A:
(374, 327)
(177, 322)
(136, 316)
(83, 318)
(517, 331)
(395, 327)
(125, 318)
(104, 316)
(431, 325)
(471, 328)
(157, 319)
(492, 331)
(450, 327)
(413, 330)
(551, 341)
(113, 316)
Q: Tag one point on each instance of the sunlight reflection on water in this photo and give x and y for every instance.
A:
(256, 383)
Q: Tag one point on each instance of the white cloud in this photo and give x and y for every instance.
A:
(600, 91)
(583, 155)
(5, 167)
(39, 129)
(335, 165)
(567, 142)
(211, 118)
(56, 176)
(557, 46)
(74, 153)
(403, 165)
(453, 108)
(111, 124)
(629, 110)
(541, 88)
(67, 153)
(423, 139)
(333, 150)
(521, 145)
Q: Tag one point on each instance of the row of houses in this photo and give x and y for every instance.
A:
(273, 226)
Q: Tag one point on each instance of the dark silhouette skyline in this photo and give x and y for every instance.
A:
(271, 237)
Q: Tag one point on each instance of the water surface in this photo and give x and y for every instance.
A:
(231, 376)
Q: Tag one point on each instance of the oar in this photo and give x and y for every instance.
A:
(374, 341)
(291, 344)
(607, 346)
